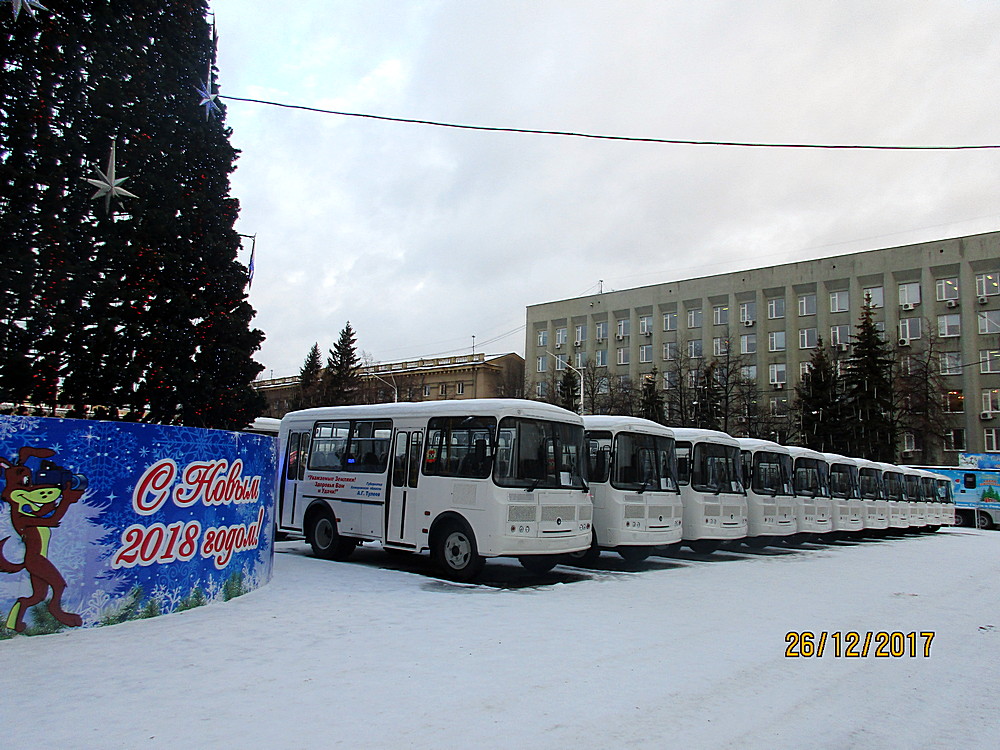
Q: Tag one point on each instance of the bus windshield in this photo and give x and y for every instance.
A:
(912, 488)
(944, 494)
(771, 474)
(844, 481)
(716, 468)
(644, 462)
(893, 485)
(871, 484)
(811, 477)
(535, 453)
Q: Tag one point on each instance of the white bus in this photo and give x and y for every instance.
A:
(632, 470)
(932, 500)
(895, 493)
(845, 491)
(812, 485)
(715, 503)
(465, 480)
(913, 486)
(767, 477)
(873, 496)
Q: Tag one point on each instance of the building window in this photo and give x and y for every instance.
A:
(946, 289)
(989, 360)
(645, 324)
(748, 312)
(951, 363)
(720, 346)
(954, 439)
(542, 364)
(777, 373)
(840, 335)
(443, 389)
(670, 321)
(874, 296)
(720, 315)
(646, 353)
(909, 294)
(987, 284)
(776, 341)
(694, 318)
(601, 358)
(694, 348)
(670, 351)
(748, 343)
(909, 442)
(776, 308)
(670, 379)
(427, 390)
(779, 406)
(807, 338)
(954, 402)
(560, 336)
(624, 327)
(840, 301)
(601, 330)
(807, 304)
(949, 325)
(603, 386)
(580, 360)
(909, 328)
(623, 358)
(581, 334)
(991, 400)
(460, 389)
(989, 321)
(561, 360)
(749, 373)
(804, 369)
(991, 443)
(543, 338)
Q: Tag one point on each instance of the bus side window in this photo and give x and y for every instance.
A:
(970, 481)
(416, 439)
(683, 463)
(292, 467)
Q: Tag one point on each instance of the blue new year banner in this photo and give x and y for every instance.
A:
(104, 522)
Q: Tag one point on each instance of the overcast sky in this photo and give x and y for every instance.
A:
(424, 237)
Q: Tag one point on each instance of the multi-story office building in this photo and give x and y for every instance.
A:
(772, 318)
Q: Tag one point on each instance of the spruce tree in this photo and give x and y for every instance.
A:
(818, 405)
(343, 370)
(569, 391)
(310, 380)
(650, 399)
(869, 409)
(136, 302)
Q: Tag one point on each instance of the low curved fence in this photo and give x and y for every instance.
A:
(103, 522)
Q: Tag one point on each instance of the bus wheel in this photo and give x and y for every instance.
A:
(757, 542)
(704, 546)
(983, 521)
(538, 564)
(585, 556)
(634, 555)
(454, 552)
(960, 519)
(325, 541)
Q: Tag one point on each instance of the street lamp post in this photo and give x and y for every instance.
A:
(579, 374)
(395, 390)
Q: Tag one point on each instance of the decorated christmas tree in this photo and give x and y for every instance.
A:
(121, 284)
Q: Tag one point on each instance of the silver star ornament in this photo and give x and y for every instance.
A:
(29, 5)
(107, 185)
(208, 99)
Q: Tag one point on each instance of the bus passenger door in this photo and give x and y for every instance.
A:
(296, 456)
(405, 472)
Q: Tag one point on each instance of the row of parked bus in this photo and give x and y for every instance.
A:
(473, 479)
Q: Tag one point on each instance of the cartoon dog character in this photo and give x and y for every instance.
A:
(36, 509)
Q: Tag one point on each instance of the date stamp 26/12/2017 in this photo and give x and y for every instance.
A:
(853, 644)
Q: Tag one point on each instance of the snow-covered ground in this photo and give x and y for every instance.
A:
(688, 652)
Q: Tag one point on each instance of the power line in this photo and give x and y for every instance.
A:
(632, 139)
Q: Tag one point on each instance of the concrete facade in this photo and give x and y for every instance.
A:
(947, 291)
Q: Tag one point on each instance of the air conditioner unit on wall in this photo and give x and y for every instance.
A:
(983, 300)
(904, 342)
(984, 415)
(778, 386)
(907, 306)
(620, 337)
(951, 303)
(749, 323)
(843, 347)
(558, 346)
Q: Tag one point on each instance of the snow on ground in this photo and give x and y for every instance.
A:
(687, 652)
